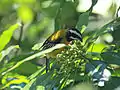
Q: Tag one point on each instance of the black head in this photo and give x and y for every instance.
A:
(73, 34)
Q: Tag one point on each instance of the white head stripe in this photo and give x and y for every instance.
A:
(72, 31)
(73, 38)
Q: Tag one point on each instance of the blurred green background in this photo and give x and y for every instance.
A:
(38, 19)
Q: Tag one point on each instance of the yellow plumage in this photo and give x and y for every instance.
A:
(58, 34)
(60, 37)
(64, 36)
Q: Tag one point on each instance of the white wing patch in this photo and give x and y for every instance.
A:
(73, 38)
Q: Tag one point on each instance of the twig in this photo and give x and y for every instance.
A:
(21, 33)
(117, 12)
(39, 54)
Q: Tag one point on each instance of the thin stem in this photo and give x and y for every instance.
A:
(47, 65)
(21, 34)
(39, 54)
(117, 12)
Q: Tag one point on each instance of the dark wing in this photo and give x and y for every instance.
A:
(48, 43)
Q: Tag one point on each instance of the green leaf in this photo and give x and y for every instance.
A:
(94, 48)
(37, 46)
(50, 8)
(93, 55)
(27, 68)
(33, 78)
(42, 80)
(89, 11)
(40, 88)
(63, 83)
(113, 84)
(83, 20)
(27, 87)
(45, 78)
(34, 75)
(7, 51)
(4, 67)
(25, 13)
(6, 36)
(40, 54)
(116, 72)
(12, 79)
(84, 86)
(94, 2)
(111, 57)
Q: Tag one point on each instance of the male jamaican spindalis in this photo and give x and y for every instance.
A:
(64, 36)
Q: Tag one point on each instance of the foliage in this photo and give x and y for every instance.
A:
(91, 62)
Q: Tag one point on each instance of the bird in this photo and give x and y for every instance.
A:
(63, 36)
